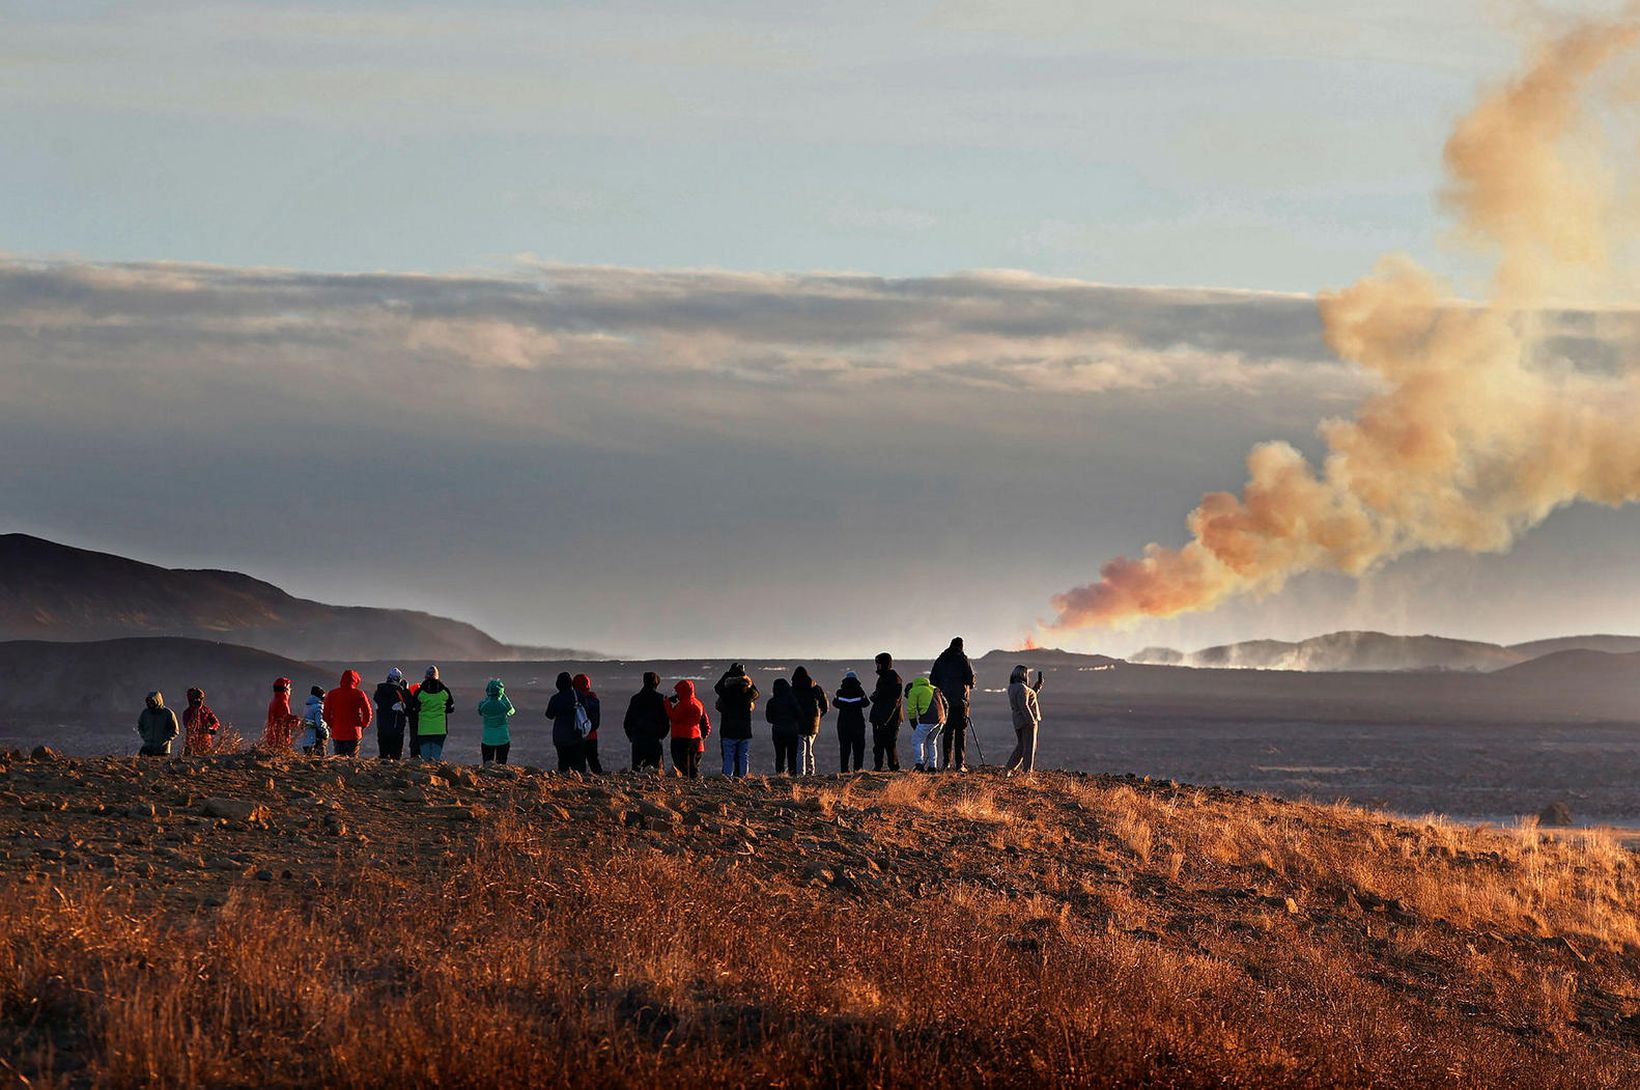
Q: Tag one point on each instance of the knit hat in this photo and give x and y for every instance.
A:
(395, 675)
(851, 674)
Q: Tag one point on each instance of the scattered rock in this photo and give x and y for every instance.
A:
(45, 753)
(265, 875)
(1556, 815)
(235, 809)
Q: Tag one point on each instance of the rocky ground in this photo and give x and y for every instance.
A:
(1532, 941)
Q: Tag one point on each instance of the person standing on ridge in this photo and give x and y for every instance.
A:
(589, 700)
(736, 698)
(1027, 718)
(851, 703)
(647, 725)
(811, 708)
(391, 717)
(691, 726)
(434, 705)
(199, 725)
(494, 710)
(281, 726)
(925, 707)
(953, 676)
(783, 716)
(156, 726)
(315, 732)
(564, 709)
(887, 713)
(347, 710)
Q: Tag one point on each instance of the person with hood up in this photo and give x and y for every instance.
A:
(199, 725)
(784, 715)
(589, 700)
(887, 713)
(156, 726)
(736, 698)
(494, 710)
(315, 731)
(925, 707)
(391, 700)
(953, 676)
(691, 726)
(851, 703)
(347, 710)
(647, 724)
(811, 708)
(568, 717)
(282, 723)
(1027, 718)
(434, 706)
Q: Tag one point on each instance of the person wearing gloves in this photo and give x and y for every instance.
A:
(494, 711)
(157, 726)
(1027, 718)
(925, 707)
(434, 705)
(347, 710)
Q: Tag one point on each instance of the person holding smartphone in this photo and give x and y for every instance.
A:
(1027, 717)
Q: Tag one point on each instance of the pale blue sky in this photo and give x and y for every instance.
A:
(1272, 144)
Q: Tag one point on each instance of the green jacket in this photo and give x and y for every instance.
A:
(433, 707)
(494, 709)
(922, 701)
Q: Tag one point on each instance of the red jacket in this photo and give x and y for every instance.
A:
(347, 710)
(688, 715)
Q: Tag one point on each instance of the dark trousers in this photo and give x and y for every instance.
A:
(347, 749)
(571, 756)
(785, 754)
(885, 742)
(686, 757)
(413, 738)
(156, 749)
(390, 736)
(954, 739)
(851, 746)
(646, 755)
(498, 754)
(589, 748)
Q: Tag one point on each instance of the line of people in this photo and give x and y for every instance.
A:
(937, 706)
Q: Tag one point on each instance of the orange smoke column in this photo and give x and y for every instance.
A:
(1472, 439)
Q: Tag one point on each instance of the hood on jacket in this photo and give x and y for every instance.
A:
(1021, 673)
(781, 686)
(351, 679)
(851, 685)
(155, 699)
(281, 684)
(395, 676)
(921, 683)
(563, 682)
(651, 681)
(494, 689)
(737, 681)
(956, 644)
(431, 674)
(685, 690)
(801, 678)
(582, 684)
(196, 696)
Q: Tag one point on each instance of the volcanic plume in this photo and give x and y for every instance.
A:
(1477, 431)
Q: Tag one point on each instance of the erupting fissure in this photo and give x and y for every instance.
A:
(1476, 432)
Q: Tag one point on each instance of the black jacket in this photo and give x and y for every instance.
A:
(561, 710)
(811, 707)
(737, 696)
(888, 699)
(782, 712)
(388, 694)
(646, 718)
(953, 675)
(851, 703)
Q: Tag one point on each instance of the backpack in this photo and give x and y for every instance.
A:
(583, 720)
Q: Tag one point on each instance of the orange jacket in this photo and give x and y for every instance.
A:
(688, 715)
(348, 710)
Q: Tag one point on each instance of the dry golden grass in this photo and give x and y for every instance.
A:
(1069, 932)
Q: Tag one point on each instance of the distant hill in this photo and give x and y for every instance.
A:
(1343, 651)
(1044, 657)
(55, 592)
(1612, 645)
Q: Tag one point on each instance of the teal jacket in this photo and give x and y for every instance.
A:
(495, 709)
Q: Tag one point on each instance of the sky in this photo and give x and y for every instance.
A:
(764, 328)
